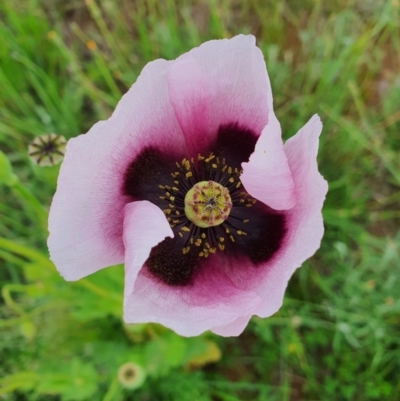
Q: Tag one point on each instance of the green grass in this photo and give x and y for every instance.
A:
(337, 337)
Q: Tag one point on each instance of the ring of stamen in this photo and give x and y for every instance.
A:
(207, 238)
(207, 204)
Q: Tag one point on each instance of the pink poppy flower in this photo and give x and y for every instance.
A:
(189, 184)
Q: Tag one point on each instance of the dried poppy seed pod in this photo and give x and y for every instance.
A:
(47, 150)
(131, 375)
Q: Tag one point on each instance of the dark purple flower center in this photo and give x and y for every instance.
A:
(204, 239)
(252, 230)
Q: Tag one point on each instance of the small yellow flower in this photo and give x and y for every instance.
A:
(131, 375)
(47, 150)
(91, 45)
(211, 354)
(51, 35)
(370, 284)
(296, 321)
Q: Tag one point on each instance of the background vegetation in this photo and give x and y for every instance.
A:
(64, 66)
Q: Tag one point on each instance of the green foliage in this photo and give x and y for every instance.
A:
(64, 66)
(6, 174)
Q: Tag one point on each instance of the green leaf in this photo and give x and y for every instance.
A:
(7, 177)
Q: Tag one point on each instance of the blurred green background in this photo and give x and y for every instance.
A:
(65, 64)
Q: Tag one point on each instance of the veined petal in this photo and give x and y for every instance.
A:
(267, 176)
(212, 300)
(221, 82)
(86, 216)
(303, 227)
(304, 221)
(234, 328)
(145, 226)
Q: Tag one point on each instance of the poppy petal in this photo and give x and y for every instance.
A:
(212, 300)
(304, 222)
(234, 328)
(86, 216)
(303, 227)
(267, 176)
(145, 226)
(221, 82)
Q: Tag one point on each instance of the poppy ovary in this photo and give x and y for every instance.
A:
(207, 204)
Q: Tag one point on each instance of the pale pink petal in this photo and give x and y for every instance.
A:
(234, 328)
(267, 176)
(304, 221)
(212, 300)
(86, 216)
(221, 82)
(145, 225)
